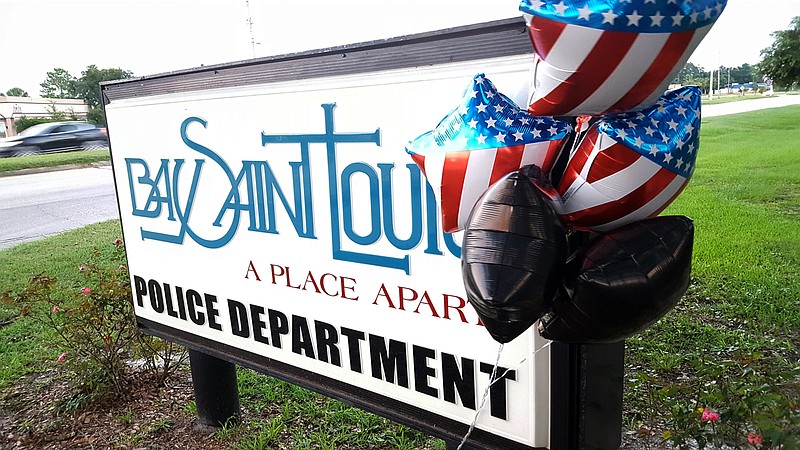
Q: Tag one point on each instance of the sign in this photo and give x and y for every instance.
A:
(282, 225)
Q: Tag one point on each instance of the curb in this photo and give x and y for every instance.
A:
(36, 170)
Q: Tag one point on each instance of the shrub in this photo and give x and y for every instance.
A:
(96, 322)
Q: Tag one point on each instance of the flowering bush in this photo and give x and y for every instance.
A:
(747, 401)
(97, 325)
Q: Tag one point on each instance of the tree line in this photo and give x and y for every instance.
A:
(59, 83)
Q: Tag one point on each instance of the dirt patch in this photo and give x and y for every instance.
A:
(41, 412)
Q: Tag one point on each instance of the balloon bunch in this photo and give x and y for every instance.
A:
(559, 202)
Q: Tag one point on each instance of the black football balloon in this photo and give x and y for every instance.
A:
(626, 280)
(513, 253)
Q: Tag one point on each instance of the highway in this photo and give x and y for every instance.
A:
(37, 205)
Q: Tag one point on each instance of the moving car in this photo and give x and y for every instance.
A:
(53, 137)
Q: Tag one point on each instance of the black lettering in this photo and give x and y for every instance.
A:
(168, 301)
(462, 380)
(181, 303)
(239, 324)
(301, 337)
(278, 325)
(389, 360)
(497, 393)
(213, 313)
(140, 286)
(194, 299)
(156, 298)
(354, 347)
(327, 340)
(255, 315)
(422, 370)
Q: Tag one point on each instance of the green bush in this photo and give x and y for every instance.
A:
(25, 122)
(96, 323)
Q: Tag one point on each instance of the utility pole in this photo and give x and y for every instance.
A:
(250, 25)
(711, 85)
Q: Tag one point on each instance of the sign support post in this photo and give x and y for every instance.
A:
(215, 390)
(586, 389)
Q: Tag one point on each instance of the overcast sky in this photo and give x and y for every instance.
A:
(156, 36)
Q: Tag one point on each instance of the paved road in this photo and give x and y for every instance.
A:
(749, 105)
(38, 205)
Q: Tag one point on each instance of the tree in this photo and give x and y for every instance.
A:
(781, 61)
(58, 84)
(16, 92)
(694, 75)
(744, 74)
(87, 86)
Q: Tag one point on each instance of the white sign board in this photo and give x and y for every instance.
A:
(287, 221)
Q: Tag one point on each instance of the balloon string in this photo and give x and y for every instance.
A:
(494, 380)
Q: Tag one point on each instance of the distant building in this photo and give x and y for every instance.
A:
(13, 108)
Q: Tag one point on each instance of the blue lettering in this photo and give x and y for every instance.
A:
(256, 191)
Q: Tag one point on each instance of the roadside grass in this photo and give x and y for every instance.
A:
(728, 98)
(731, 345)
(26, 344)
(56, 159)
(738, 324)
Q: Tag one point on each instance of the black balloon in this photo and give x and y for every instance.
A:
(513, 254)
(624, 281)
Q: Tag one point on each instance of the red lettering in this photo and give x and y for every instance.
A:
(346, 288)
(251, 268)
(310, 278)
(426, 300)
(402, 291)
(461, 303)
(382, 293)
(322, 282)
(280, 272)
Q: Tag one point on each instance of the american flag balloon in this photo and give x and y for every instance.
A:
(630, 166)
(485, 138)
(599, 56)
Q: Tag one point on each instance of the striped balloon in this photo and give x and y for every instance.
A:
(598, 56)
(630, 166)
(486, 137)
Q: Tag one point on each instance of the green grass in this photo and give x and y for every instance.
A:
(25, 344)
(745, 201)
(54, 160)
(310, 420)
(736, 330)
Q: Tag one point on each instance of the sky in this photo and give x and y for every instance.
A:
(156, 36)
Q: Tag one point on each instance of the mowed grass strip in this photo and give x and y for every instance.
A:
(745, 201)
(53, 160)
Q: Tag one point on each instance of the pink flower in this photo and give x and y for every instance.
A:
(86, 291)
(709, 415)
(754, 438)
(62, 357)
(56, 309)
(122, 267)
(117, 241)
(82, 268)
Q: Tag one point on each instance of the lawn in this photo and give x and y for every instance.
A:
(732, 344)
(731, 347)
(57, 159)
